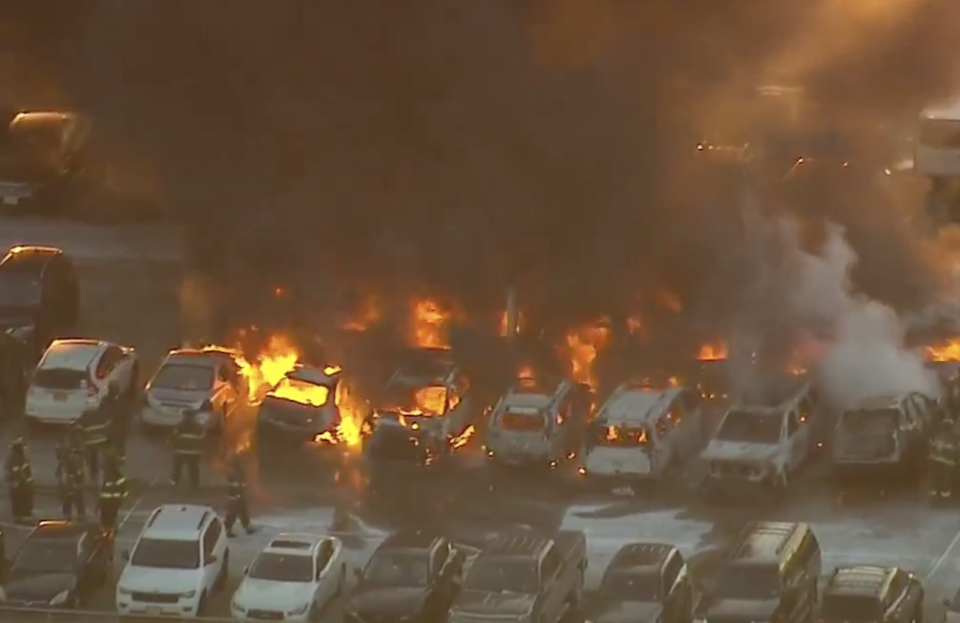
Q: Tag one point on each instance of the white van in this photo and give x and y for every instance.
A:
(639, 434)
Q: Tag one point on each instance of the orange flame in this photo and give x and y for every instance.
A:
(582, 347)
(459, 442)
(302, 393)
(948, 351)
(276, 360)
(428, 325)
(712, 352)
(505, 322)
(526, 372)
(354, 425)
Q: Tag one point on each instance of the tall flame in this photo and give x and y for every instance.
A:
(428, 325)
(712, 352)
(582, 346)
(273, 363)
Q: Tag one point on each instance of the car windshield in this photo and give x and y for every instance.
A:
(504, 576)
(850, 609)
(301, 392)
(620, 436)
(183, 377)
(60, 378)
(522, 422)
(748, 582)
(388, 569)
(869, 422)
(166, 554)
(745, 427)
(282, 567)
(47, 555)
(630, 586)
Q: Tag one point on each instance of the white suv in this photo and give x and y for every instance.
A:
(180, 559)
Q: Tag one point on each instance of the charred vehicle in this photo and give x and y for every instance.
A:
(523, 577)
(640, 434)
(645, 583)
(882, 437)
(39, 295)
(538, 421)
(412, 576)
(431, 397)
(764, 438)
(301, 408)
(770, 574)
(872, 593)
(43, 160)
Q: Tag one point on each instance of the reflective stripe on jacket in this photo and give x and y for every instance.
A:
(943, 452)
(188, 440)
(19, 473)
(115, 489)
(236, 488)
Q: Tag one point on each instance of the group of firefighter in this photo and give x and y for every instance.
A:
(93, 448)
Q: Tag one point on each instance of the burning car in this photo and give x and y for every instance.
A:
(301, 407)
(640, 433)
(538, 421)
(764, 438)
(429, 395)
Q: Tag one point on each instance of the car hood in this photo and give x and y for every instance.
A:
(25, 585)
(268, 595)
(504, 604)
(393, 601)
(742, 609)
(149, 580)
(625, 612)
(739, 451)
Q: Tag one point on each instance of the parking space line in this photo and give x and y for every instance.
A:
(140, 500)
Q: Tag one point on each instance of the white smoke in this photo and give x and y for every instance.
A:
(865, 352)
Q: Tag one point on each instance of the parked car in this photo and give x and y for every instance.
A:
(874, 593)
(60, 564)
(39, 295)
(300, 408)
(644, 582)
(294, 578)
(74, 375)
(179, 561)
(208, 380)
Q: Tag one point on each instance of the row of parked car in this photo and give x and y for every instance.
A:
(181, 559)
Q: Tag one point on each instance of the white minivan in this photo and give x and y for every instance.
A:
(179, 561)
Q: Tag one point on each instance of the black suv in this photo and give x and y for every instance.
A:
(39, 295)
(868, 593)
(644, 582)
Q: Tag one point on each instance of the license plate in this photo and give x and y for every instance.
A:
(60, 397)
(11, 201)
(154, 611)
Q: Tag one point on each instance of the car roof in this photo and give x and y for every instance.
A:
(772, 394)
(297, 544)
(317, 376)
(641, 555)
(35, 255)
(72, 354)
(43, 115)
(516, 543)
(415, 539)
(178, 522)
(865, 580)
(188, 357)
(767, 541)
(630, 403)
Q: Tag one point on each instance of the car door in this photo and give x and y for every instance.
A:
(106, 367)
(212, 556)
(119, 368)
(323, 575)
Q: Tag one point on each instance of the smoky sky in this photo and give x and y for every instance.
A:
(451, 148)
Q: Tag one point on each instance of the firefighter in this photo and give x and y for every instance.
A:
(74, 444)
(237, 497)
(944, 461)
(20, 480)
(113, 490)
(187, 448)
(95, 438)
(69, 475)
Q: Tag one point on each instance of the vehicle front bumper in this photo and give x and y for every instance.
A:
(158, 418)
(185, 608)
(254, 614)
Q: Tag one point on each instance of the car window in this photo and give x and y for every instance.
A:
(792, 424)
(210, 538)
(324, 554)
(108, 360)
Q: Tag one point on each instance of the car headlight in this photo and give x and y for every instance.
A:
(299, 610)
(124, 591)
(189, 594)
(60, 599)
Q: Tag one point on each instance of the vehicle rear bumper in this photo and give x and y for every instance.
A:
(45, 416)
(157, 419)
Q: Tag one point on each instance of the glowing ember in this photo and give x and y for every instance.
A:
(613, 433)
(301, 392)
(367, 315)
(526, 372)
(582, 347)
(505, 322)
(712, 352)
(948, 351)
(429, 325)
(428, 401)
(459, 442)
(269, 368)
(635, 324)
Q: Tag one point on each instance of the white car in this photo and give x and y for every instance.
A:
(74, 375)
(293, 579)
(179, 561)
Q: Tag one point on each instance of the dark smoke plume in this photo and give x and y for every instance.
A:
(453, 148)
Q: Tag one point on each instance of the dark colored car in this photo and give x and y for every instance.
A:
(644, 583)
(412, 576)
(60, 564)
(43, 161)
(869, 593)
(39, 295)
